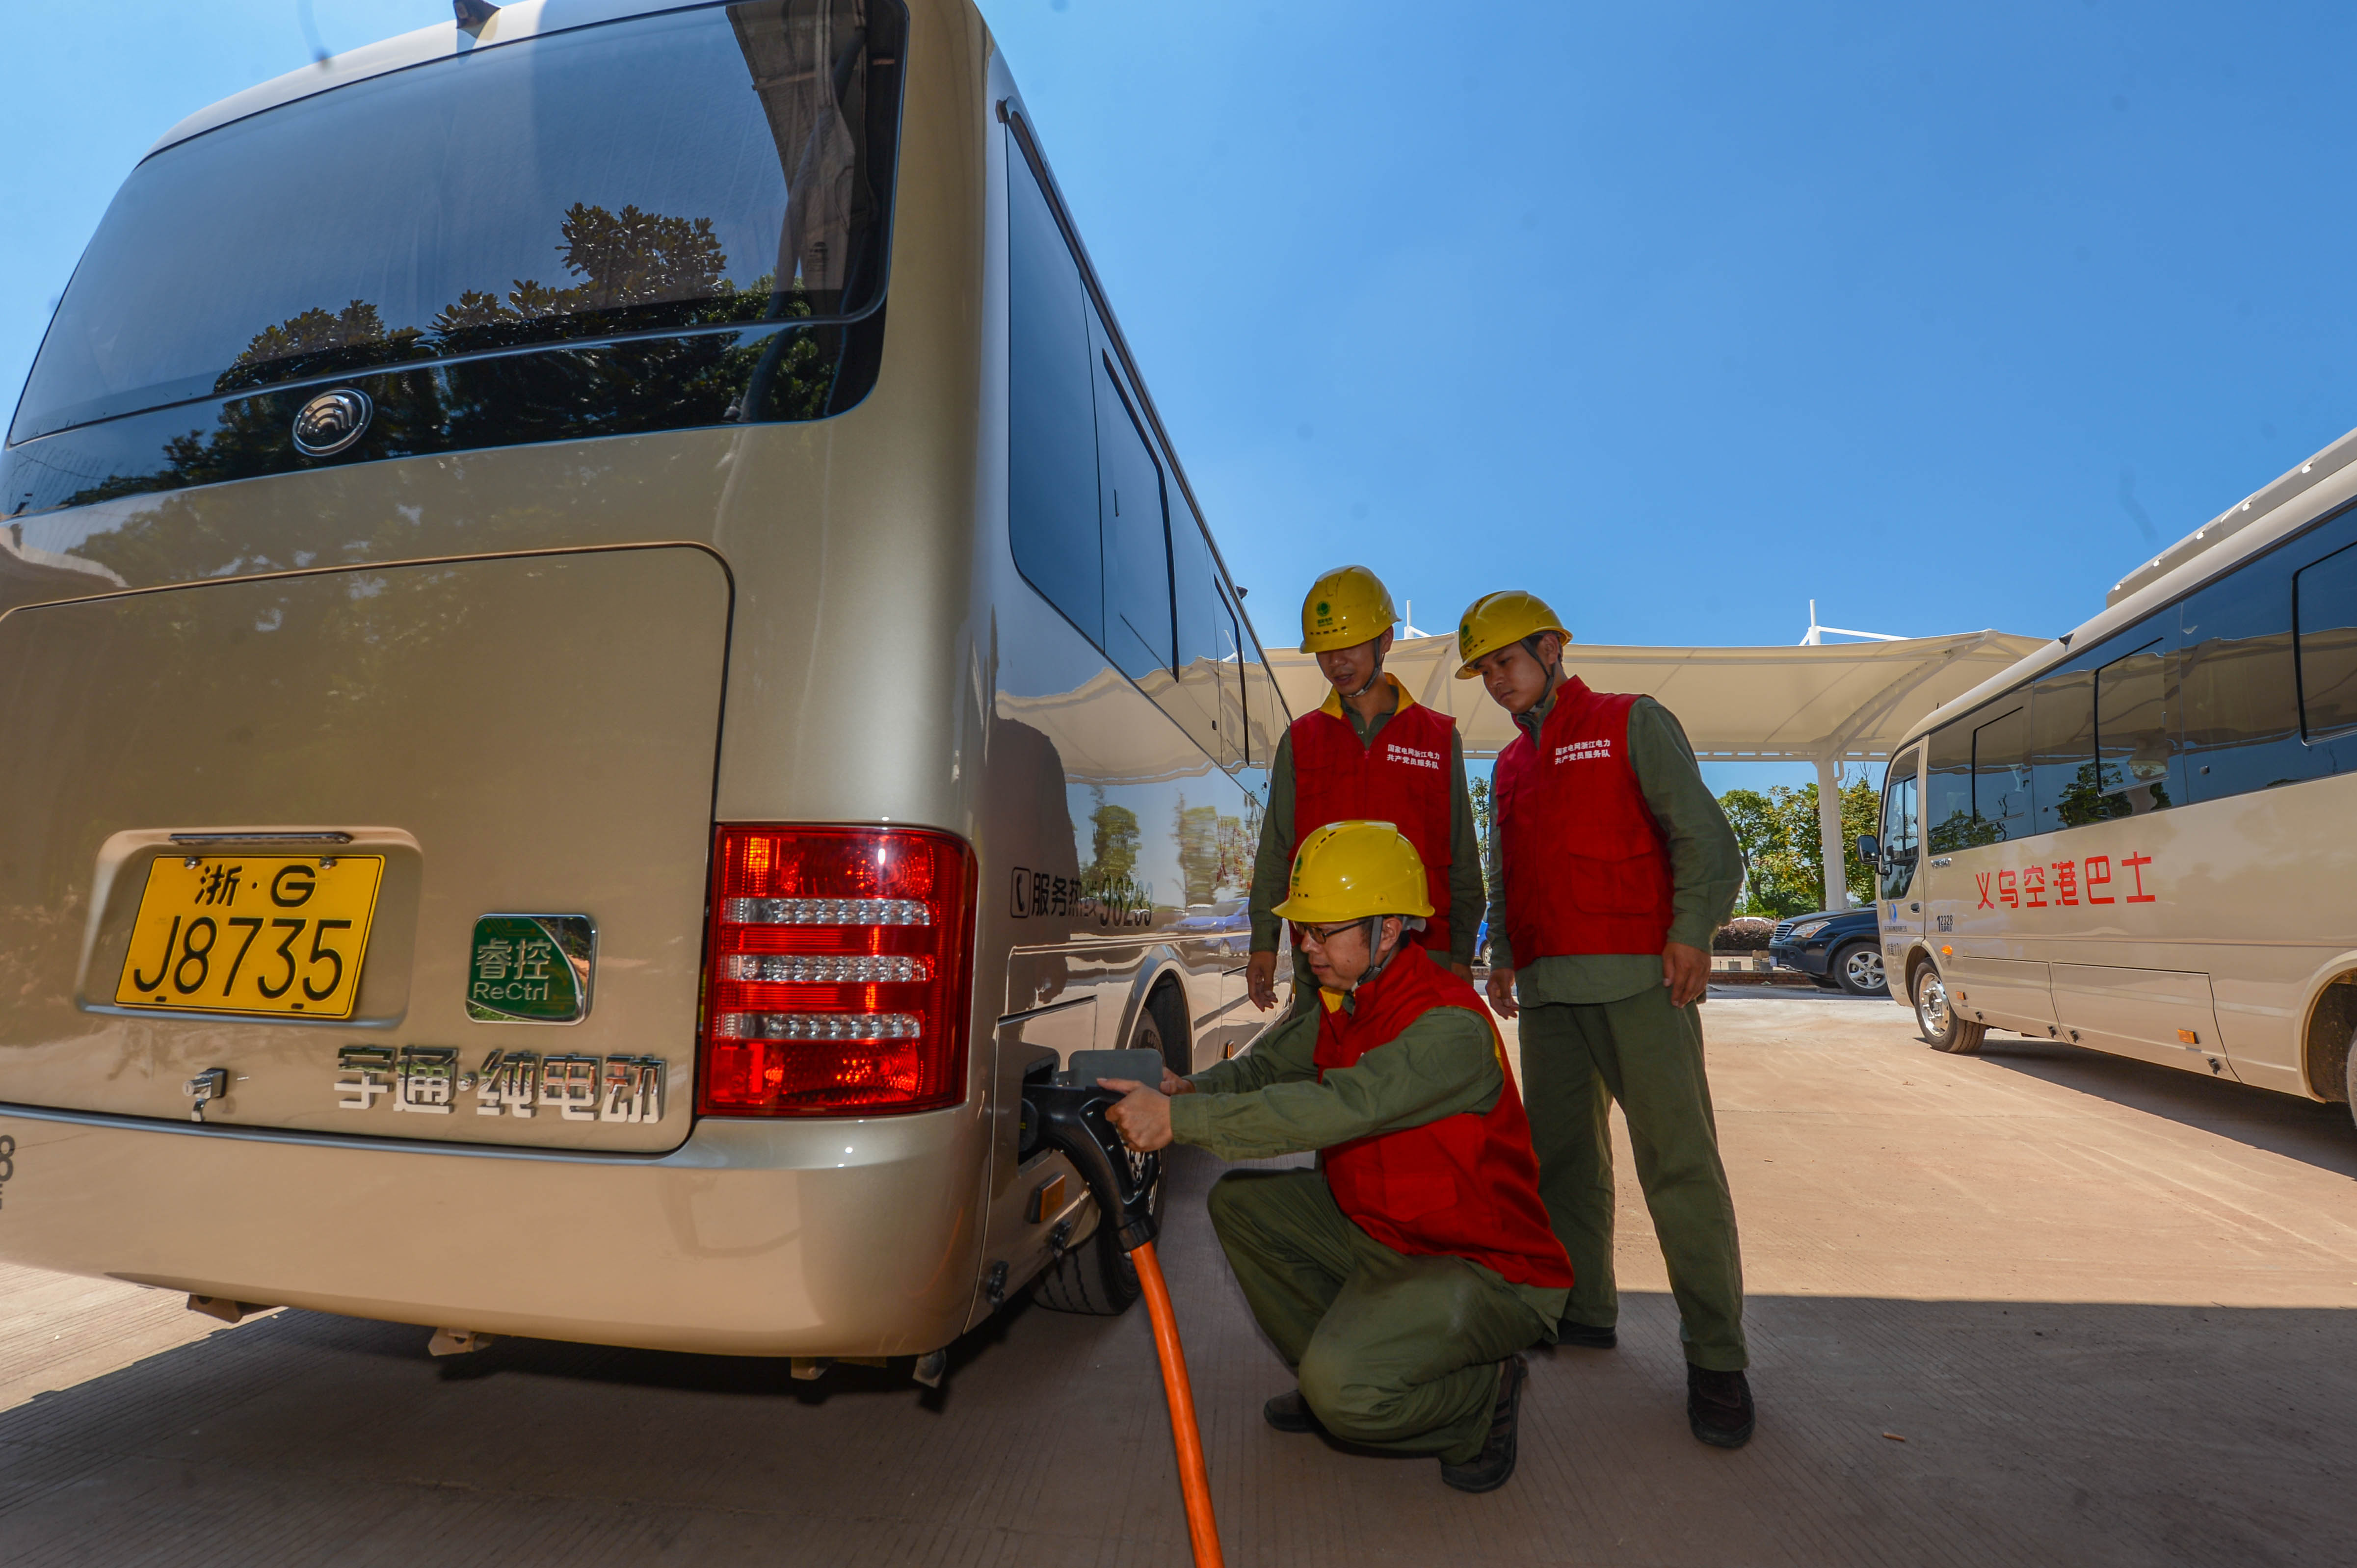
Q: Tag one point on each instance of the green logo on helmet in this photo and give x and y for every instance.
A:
(1323, 608)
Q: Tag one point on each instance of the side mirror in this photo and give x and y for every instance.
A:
(1869, 852)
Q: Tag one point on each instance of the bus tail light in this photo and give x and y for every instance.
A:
(837, 980)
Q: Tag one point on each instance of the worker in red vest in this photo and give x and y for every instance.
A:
(1401, 1278)
(1614, 866)
(1370, 751)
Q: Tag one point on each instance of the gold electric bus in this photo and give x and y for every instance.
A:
(2137, 839)
(603, 651)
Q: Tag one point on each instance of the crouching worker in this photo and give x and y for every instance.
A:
(1401, 1278)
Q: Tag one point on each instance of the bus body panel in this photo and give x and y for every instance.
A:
(541, 730)
(733, 1243)
(2159, 1015)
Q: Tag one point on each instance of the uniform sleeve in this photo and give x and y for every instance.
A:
(1443, 1063)
(1706, 863)
(1287, 1050)
(1501, 952)
(1270, 865)
(1465, 880)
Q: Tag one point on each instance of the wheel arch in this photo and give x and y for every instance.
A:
(1917, 959)
(2331, 1022)
(1161, 971)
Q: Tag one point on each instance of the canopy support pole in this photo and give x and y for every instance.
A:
(1829, 831)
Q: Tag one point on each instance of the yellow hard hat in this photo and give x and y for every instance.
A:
(1346, 607)
(1500, 620)
(1351, 870)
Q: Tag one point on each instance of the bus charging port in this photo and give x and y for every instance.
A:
(1067, 1112)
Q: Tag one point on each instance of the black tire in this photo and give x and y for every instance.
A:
(1857, 968)
(2348, 1075)
(1096, 1278)
(1943, 1028)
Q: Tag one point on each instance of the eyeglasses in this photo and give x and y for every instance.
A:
(1320, 936)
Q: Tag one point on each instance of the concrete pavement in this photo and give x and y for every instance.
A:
(2034, 1306)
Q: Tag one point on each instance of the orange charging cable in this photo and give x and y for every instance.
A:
(1194, 1479)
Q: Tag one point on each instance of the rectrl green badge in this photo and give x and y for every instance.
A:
(530, 969)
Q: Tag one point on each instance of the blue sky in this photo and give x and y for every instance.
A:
(1683, 315)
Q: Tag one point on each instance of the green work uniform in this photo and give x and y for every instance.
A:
(1598, 1027)
(1393, 1350)
(1273, 863)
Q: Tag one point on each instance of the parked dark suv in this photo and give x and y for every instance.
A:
(1842, 950)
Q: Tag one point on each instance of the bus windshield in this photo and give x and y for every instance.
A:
(713, 166)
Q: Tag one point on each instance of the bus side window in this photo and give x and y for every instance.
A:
(2001, 778)
(1948, 791)
(1208, 705)
(1052, 422)
(1133, 518)
(2136, 729)
(2241, 684)
(2324, 599)
(1265, 713)
(1898, 828)
(2063, 749)
(1232, 685)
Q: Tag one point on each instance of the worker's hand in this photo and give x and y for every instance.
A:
(1687, 971)
(1502, 993)
(1173, 1084)
(1463, 971)
(1260, 980)
(1143, 1117)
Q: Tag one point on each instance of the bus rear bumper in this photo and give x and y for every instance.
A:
(817, 1238)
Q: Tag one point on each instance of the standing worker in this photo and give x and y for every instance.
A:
(1370, 751)
(1403, 1276)
(1614, 865)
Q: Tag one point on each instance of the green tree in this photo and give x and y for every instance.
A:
(1783, 866)
(1199, 851)
(1115, 847)
(1861, 813)
(314, 331)
(1212, 851)
(623, 259)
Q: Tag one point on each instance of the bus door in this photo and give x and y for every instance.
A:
(1902, 899)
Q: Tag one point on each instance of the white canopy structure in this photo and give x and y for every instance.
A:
(1826, 703)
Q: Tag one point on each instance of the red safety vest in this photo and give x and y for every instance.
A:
(1586, 868)
(1404, 778)
(1466, 1186)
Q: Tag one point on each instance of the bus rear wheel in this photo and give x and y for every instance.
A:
(1943, 1025)
(1097, 1278)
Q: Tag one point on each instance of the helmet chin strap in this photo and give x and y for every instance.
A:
(1354, 697)
(1378, 961)
(1554, 671)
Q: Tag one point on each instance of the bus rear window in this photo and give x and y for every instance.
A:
(722, 165)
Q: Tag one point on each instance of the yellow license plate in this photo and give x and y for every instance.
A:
(251, 933)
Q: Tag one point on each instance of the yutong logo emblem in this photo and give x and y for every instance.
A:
(331, 422)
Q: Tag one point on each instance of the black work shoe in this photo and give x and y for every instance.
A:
(1719, 1407)
(1289, 1412)
(1487, 1470)
(1585, 1336)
